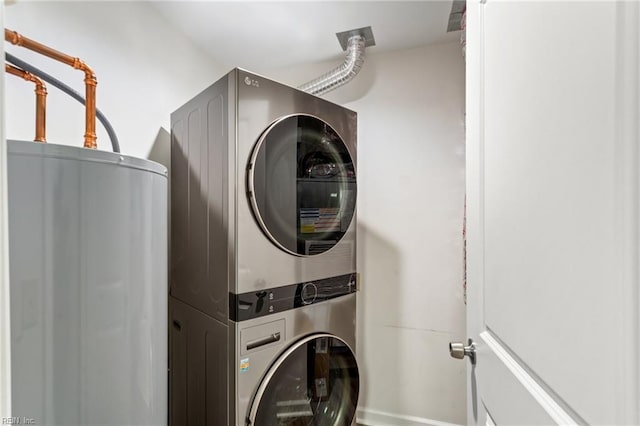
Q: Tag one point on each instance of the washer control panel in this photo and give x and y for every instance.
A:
(279, 299)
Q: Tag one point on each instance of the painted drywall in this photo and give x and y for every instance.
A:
(146, 69)
(410, 106)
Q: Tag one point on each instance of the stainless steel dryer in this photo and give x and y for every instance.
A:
(263, 191)
(263, 254)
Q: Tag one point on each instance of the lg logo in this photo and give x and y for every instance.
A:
(251, 82)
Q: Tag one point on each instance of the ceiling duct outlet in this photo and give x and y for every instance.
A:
(354, 43)
(458, 8)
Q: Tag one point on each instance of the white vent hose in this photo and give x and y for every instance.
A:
(342, 74)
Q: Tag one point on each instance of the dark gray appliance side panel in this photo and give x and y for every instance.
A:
(199, 207)
(232, 186)
(234, 418)
(198, 391)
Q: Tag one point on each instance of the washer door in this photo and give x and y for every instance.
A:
(314, 383)
(302, 185)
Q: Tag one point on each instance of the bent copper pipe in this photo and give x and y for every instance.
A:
(41, 99)
(90, 80)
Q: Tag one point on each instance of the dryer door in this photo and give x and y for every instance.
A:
(315, 382)
(302, 185)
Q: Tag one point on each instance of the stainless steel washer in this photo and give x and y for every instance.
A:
(292, 367)
(263, 256)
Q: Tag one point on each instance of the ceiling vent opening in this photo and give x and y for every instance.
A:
(458, 7)
(354, 43)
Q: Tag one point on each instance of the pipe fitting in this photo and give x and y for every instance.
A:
(90, 80)
(115, 144)
(41, 99)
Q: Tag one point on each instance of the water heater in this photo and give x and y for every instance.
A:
(88, 271)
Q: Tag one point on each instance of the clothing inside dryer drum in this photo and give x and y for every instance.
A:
(316, 385)
(304, 185)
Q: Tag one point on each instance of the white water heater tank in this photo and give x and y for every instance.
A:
(88, 273)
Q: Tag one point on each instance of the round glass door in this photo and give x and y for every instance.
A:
(302, 185)
(314, 383)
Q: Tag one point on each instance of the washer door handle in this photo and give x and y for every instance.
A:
(263, 341)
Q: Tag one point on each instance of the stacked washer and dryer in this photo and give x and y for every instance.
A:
(262, 304)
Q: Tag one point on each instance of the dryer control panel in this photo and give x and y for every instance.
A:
(279, 299)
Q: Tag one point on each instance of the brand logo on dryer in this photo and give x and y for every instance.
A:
(251, 82)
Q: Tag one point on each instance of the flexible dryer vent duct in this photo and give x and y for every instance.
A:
(354, 42)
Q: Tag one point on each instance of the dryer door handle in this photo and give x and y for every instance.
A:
(263, 341)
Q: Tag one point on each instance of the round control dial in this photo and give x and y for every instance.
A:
(309, 293)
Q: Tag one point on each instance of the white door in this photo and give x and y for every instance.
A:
(553, 193)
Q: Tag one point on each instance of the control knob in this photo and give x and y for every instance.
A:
(309, 293)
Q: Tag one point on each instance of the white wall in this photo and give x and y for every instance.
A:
(410, 106)
(146, 69)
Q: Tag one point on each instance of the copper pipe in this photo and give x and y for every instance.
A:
(41, 99)
(90, 80)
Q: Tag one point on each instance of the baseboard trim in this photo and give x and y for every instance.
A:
(368, 417)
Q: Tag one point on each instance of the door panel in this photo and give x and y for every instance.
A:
(528, 402)
(549, 192)
(552, 203)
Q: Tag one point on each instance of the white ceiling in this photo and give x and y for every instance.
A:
(269, 35)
